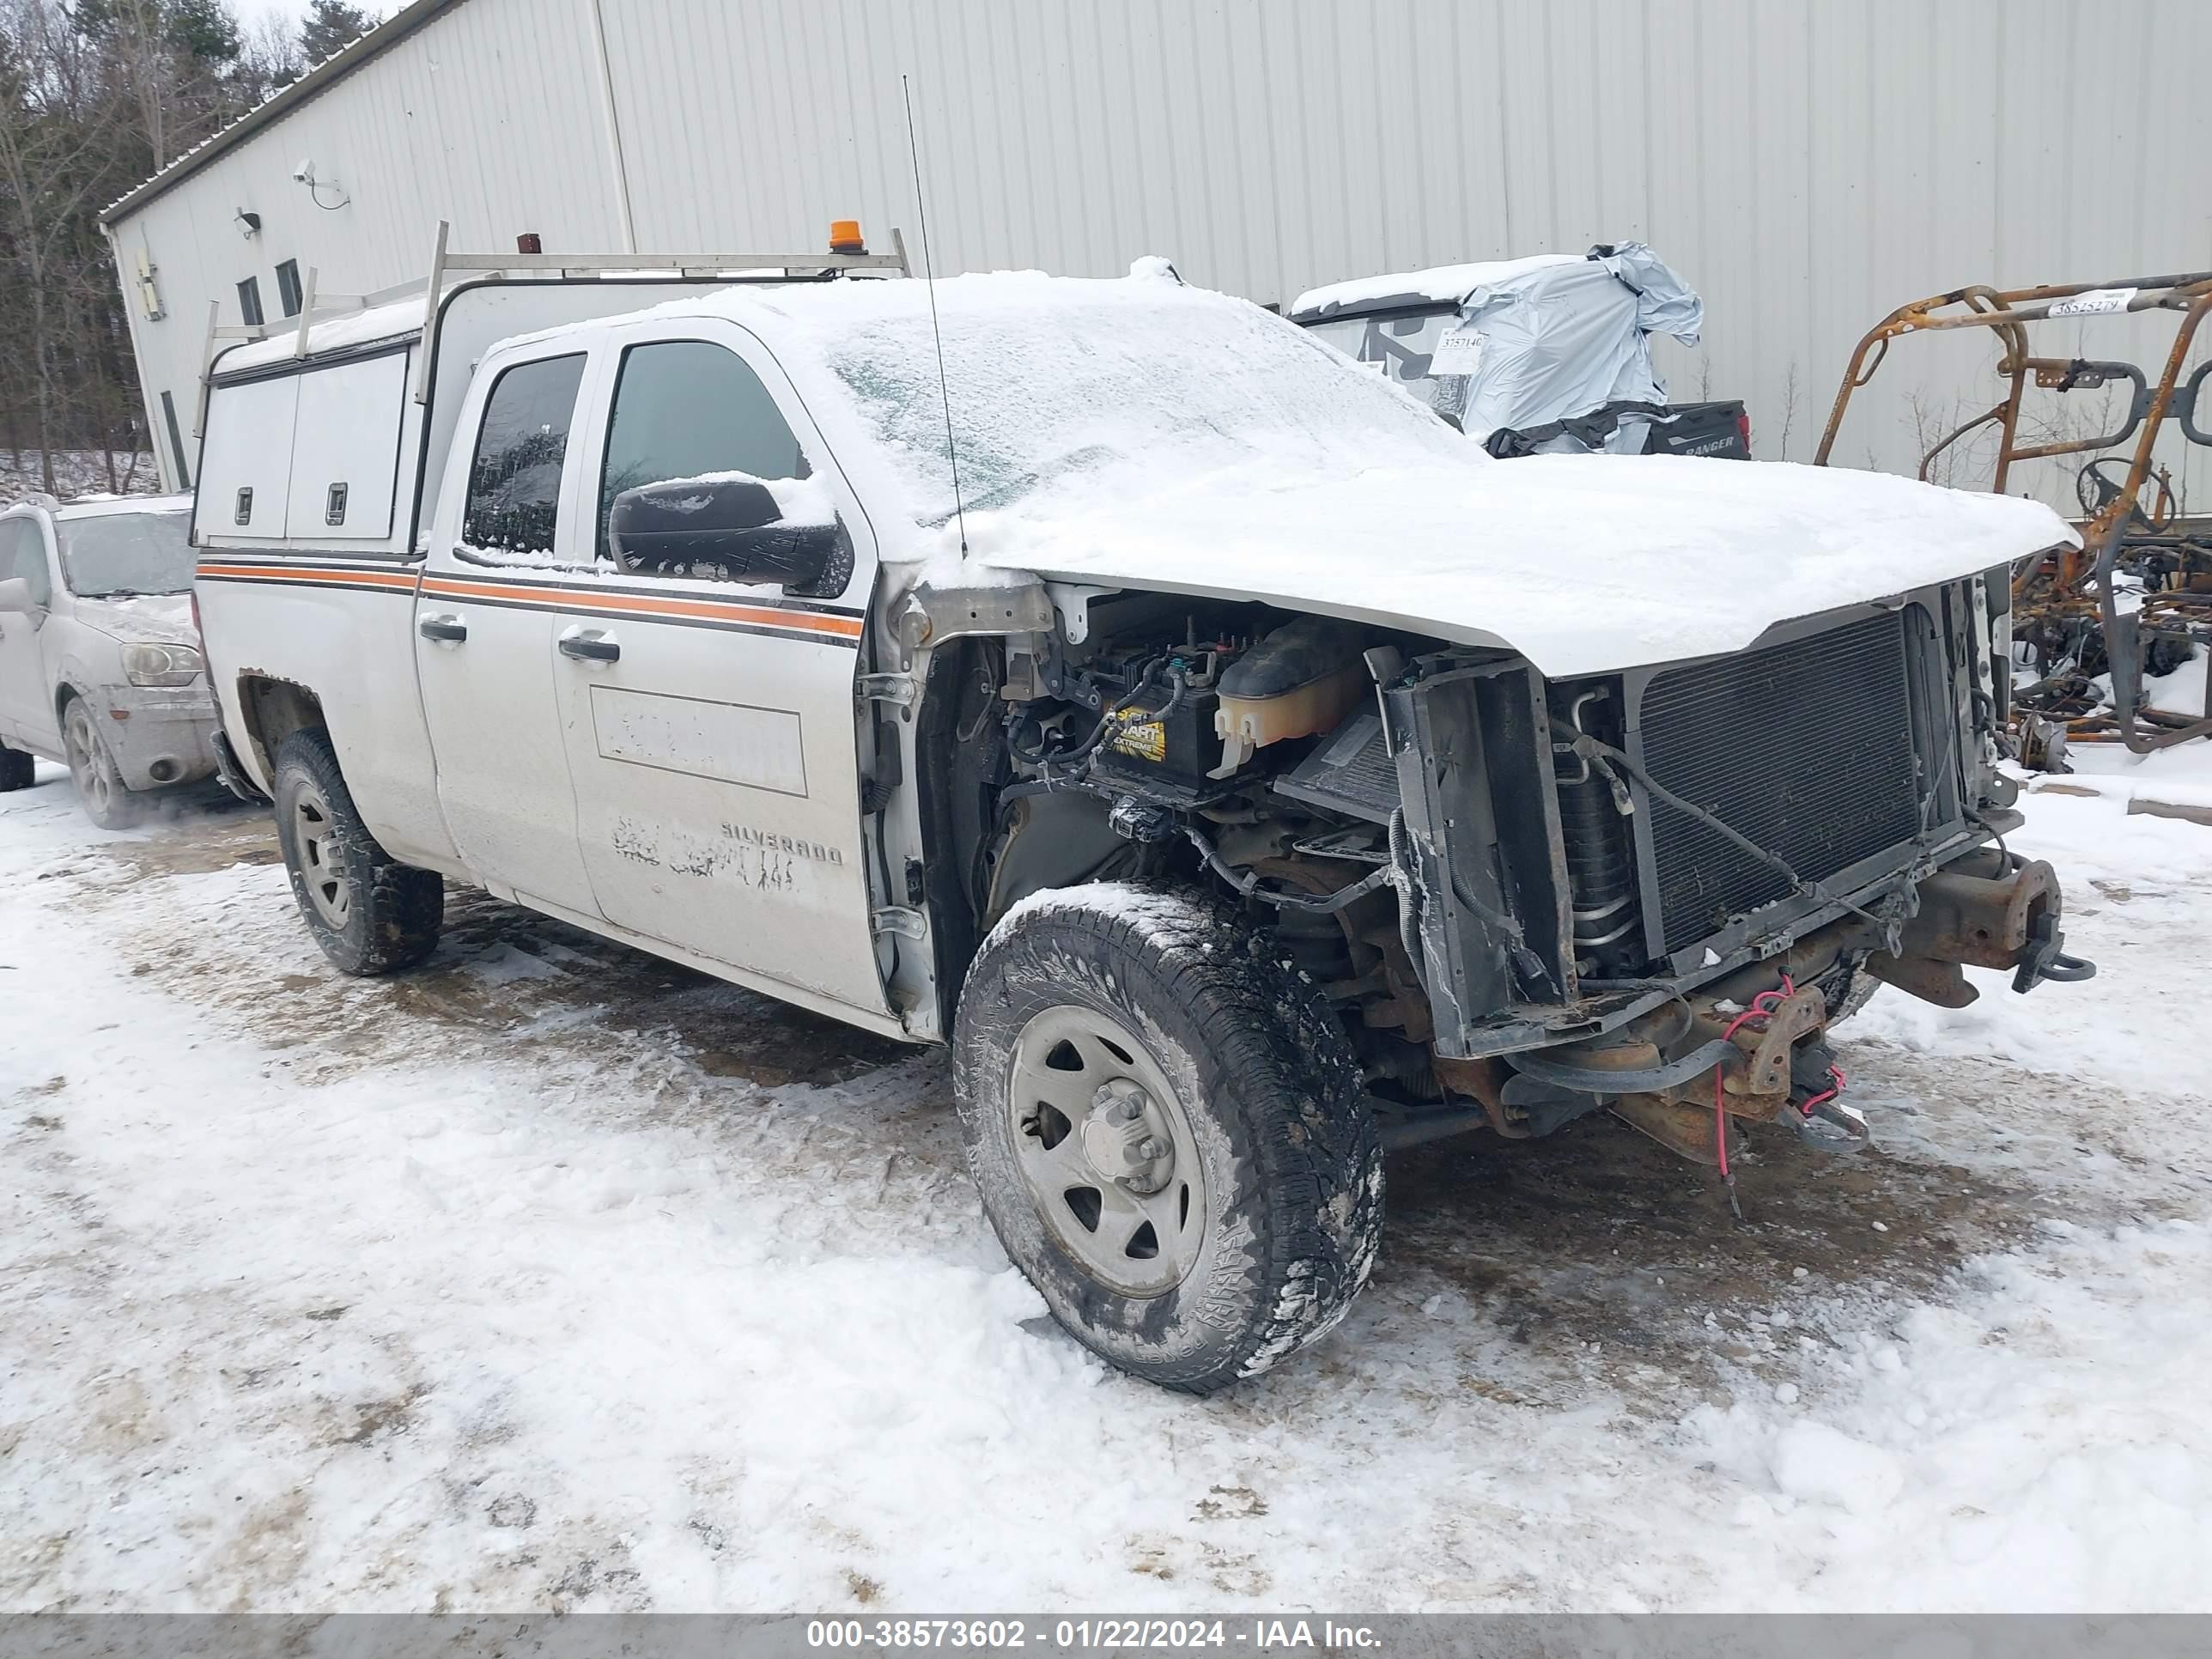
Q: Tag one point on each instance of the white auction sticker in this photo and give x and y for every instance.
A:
(2096, 300)
(1460, 352)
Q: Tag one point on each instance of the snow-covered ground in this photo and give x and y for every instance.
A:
(78, 472)
(552, 1276)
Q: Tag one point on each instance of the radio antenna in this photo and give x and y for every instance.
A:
(929, 280)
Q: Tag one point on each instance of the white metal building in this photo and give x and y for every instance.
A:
(1808, 164)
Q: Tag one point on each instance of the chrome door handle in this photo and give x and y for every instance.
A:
(449, 629)
(590, 645)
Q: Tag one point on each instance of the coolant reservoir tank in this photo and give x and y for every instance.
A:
(1302, 678)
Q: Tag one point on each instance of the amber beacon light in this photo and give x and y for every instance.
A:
(845, 237)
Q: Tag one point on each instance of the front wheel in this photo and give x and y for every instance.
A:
(106, 799)
(1167, 1128)
(371, 913)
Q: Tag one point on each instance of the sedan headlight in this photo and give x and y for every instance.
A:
(160, 664)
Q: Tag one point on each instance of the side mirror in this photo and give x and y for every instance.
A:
(15, 598)
(727, 526)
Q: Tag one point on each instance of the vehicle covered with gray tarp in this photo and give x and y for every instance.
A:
(1547, 353)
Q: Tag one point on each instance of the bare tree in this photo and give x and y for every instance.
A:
(1790, 394)
(270, 60)
(96, 95)
(50, 141)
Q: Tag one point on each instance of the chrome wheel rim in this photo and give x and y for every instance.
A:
(94, 787)
(1106, 1148)
(322, 861)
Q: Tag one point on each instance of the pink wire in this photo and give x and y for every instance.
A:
(1825, 1095)
(1760, 1007)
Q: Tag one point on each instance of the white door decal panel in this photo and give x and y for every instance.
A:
(728, 742)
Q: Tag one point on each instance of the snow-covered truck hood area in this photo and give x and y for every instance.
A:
(1581, 562)
(1142, 432)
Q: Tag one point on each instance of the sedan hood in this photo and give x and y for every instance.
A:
(141, 619)
(1582, 563)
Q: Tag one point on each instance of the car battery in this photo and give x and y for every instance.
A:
(1178, 743)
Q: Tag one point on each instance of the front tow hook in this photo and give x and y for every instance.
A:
(2043, 957)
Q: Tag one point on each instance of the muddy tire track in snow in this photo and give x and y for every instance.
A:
(1593, 1242)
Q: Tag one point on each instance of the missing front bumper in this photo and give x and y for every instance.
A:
(1988, 909)
(1674, 1070)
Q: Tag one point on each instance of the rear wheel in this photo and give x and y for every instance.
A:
(1167, 1128)
(106, 799)
(17, 769)
(371, 913)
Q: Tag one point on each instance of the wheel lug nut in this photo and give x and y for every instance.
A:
(1149, 1149)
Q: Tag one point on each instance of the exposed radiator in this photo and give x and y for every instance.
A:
(1804, 748)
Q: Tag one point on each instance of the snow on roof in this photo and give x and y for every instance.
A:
(395, 320)
(1438, 285)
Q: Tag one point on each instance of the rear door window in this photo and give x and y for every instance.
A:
(514, 476)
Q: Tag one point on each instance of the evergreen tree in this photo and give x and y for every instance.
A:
(203, 30)
(330, 24)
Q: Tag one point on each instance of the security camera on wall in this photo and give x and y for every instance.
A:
(303, 170)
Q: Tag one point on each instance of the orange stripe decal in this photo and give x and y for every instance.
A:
(546, 596)
(397, 580)
(646, 605)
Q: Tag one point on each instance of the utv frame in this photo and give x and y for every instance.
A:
(2068, 592)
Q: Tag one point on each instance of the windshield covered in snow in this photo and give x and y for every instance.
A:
(117, 553)
(1060, 387)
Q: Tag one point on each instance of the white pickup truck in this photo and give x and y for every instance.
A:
(1239, 769)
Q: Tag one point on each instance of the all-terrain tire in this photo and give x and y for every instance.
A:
(106, 799)
(1275, 1144)
(17, 769)
(371, 913)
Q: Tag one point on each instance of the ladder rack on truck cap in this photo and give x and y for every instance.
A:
(316, 309)
(331, 430)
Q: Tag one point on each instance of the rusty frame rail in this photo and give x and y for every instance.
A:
(2077, 583)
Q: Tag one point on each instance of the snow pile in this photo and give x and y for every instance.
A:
(2184, 691)
(2037, 1448)
(80, 475)
(1144, 431)
(1816, 1464)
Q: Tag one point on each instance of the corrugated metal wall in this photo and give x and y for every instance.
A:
(1809, 164)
